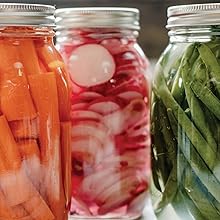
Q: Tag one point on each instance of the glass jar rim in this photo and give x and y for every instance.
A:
(193, 15)
(98, 17)
(22, 14)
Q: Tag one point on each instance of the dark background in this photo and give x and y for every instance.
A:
(153, 36)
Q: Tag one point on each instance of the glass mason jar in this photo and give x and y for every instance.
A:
(110, 135)
(186, 115)
(34, 116)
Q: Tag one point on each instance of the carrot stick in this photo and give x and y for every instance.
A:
(30, 154)
(29, 149)
(9, 149)
(53, 62)
(15, 101)
(66, 159)
(44, 93)
(13, 181)
(25, 129)
(5, 211)
(29, 57)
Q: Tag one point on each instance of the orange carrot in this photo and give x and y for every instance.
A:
(13, 181)
(5, 211)
(29, 149)
(44, 93)
(53, 62)
(66, 158)
(9, 149)
(15, 100)
(25, 129)
(30, 154)
(29, 57)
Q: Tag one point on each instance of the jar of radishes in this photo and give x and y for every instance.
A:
(110, 136)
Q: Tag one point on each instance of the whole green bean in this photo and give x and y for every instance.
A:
(212, 64)
(194, 135)
(197, 112)
(207, 97)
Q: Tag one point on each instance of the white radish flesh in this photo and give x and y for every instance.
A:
(104, 107)
(88, 145)
(79, 106)
(91, 65)
(115, 122)
(89, 128)
(90, 95)
(84, 114)
(130, 95)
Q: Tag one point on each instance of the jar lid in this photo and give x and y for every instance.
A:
(16, 14)
(193, 15)
(98, 17)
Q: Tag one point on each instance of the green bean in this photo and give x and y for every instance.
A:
(167, 132)
(177, 88)
(158, 142)
(197, 113)
(200, 196)
(212, 64)
(198, 165)
(169, 191)
(191, 206)
(194, 135)
(207, 97)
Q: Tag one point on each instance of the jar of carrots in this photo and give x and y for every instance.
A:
(110, 135)
(34, 116)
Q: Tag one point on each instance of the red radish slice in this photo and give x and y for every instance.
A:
(136, 110)
(90, 95)
(79, 106)
(115, 46)
(84, 114)
(112, 179)
(115, 122)
(97, 130)
(115, 203)
(91, 182)
(117, 190)
(104, 107)
(88, 145)
(89, 128)
(91, 65)
(130, 95)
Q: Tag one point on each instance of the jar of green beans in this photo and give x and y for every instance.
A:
(186, 115)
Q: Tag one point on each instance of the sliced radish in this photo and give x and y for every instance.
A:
(90, 95)
(136, 110)
(104, 106)
(115, 46)
(79, 106)
(115, 203)
(115, 122)
(88, 145)
(91, 65)
(89, 128)
(85, 114)
(91, 182)
(112, 179)
(117, 190)
(130, 95)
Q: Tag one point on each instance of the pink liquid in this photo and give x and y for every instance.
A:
(110, 127)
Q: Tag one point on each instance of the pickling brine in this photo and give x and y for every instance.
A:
(34, 118)
(110, 137)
